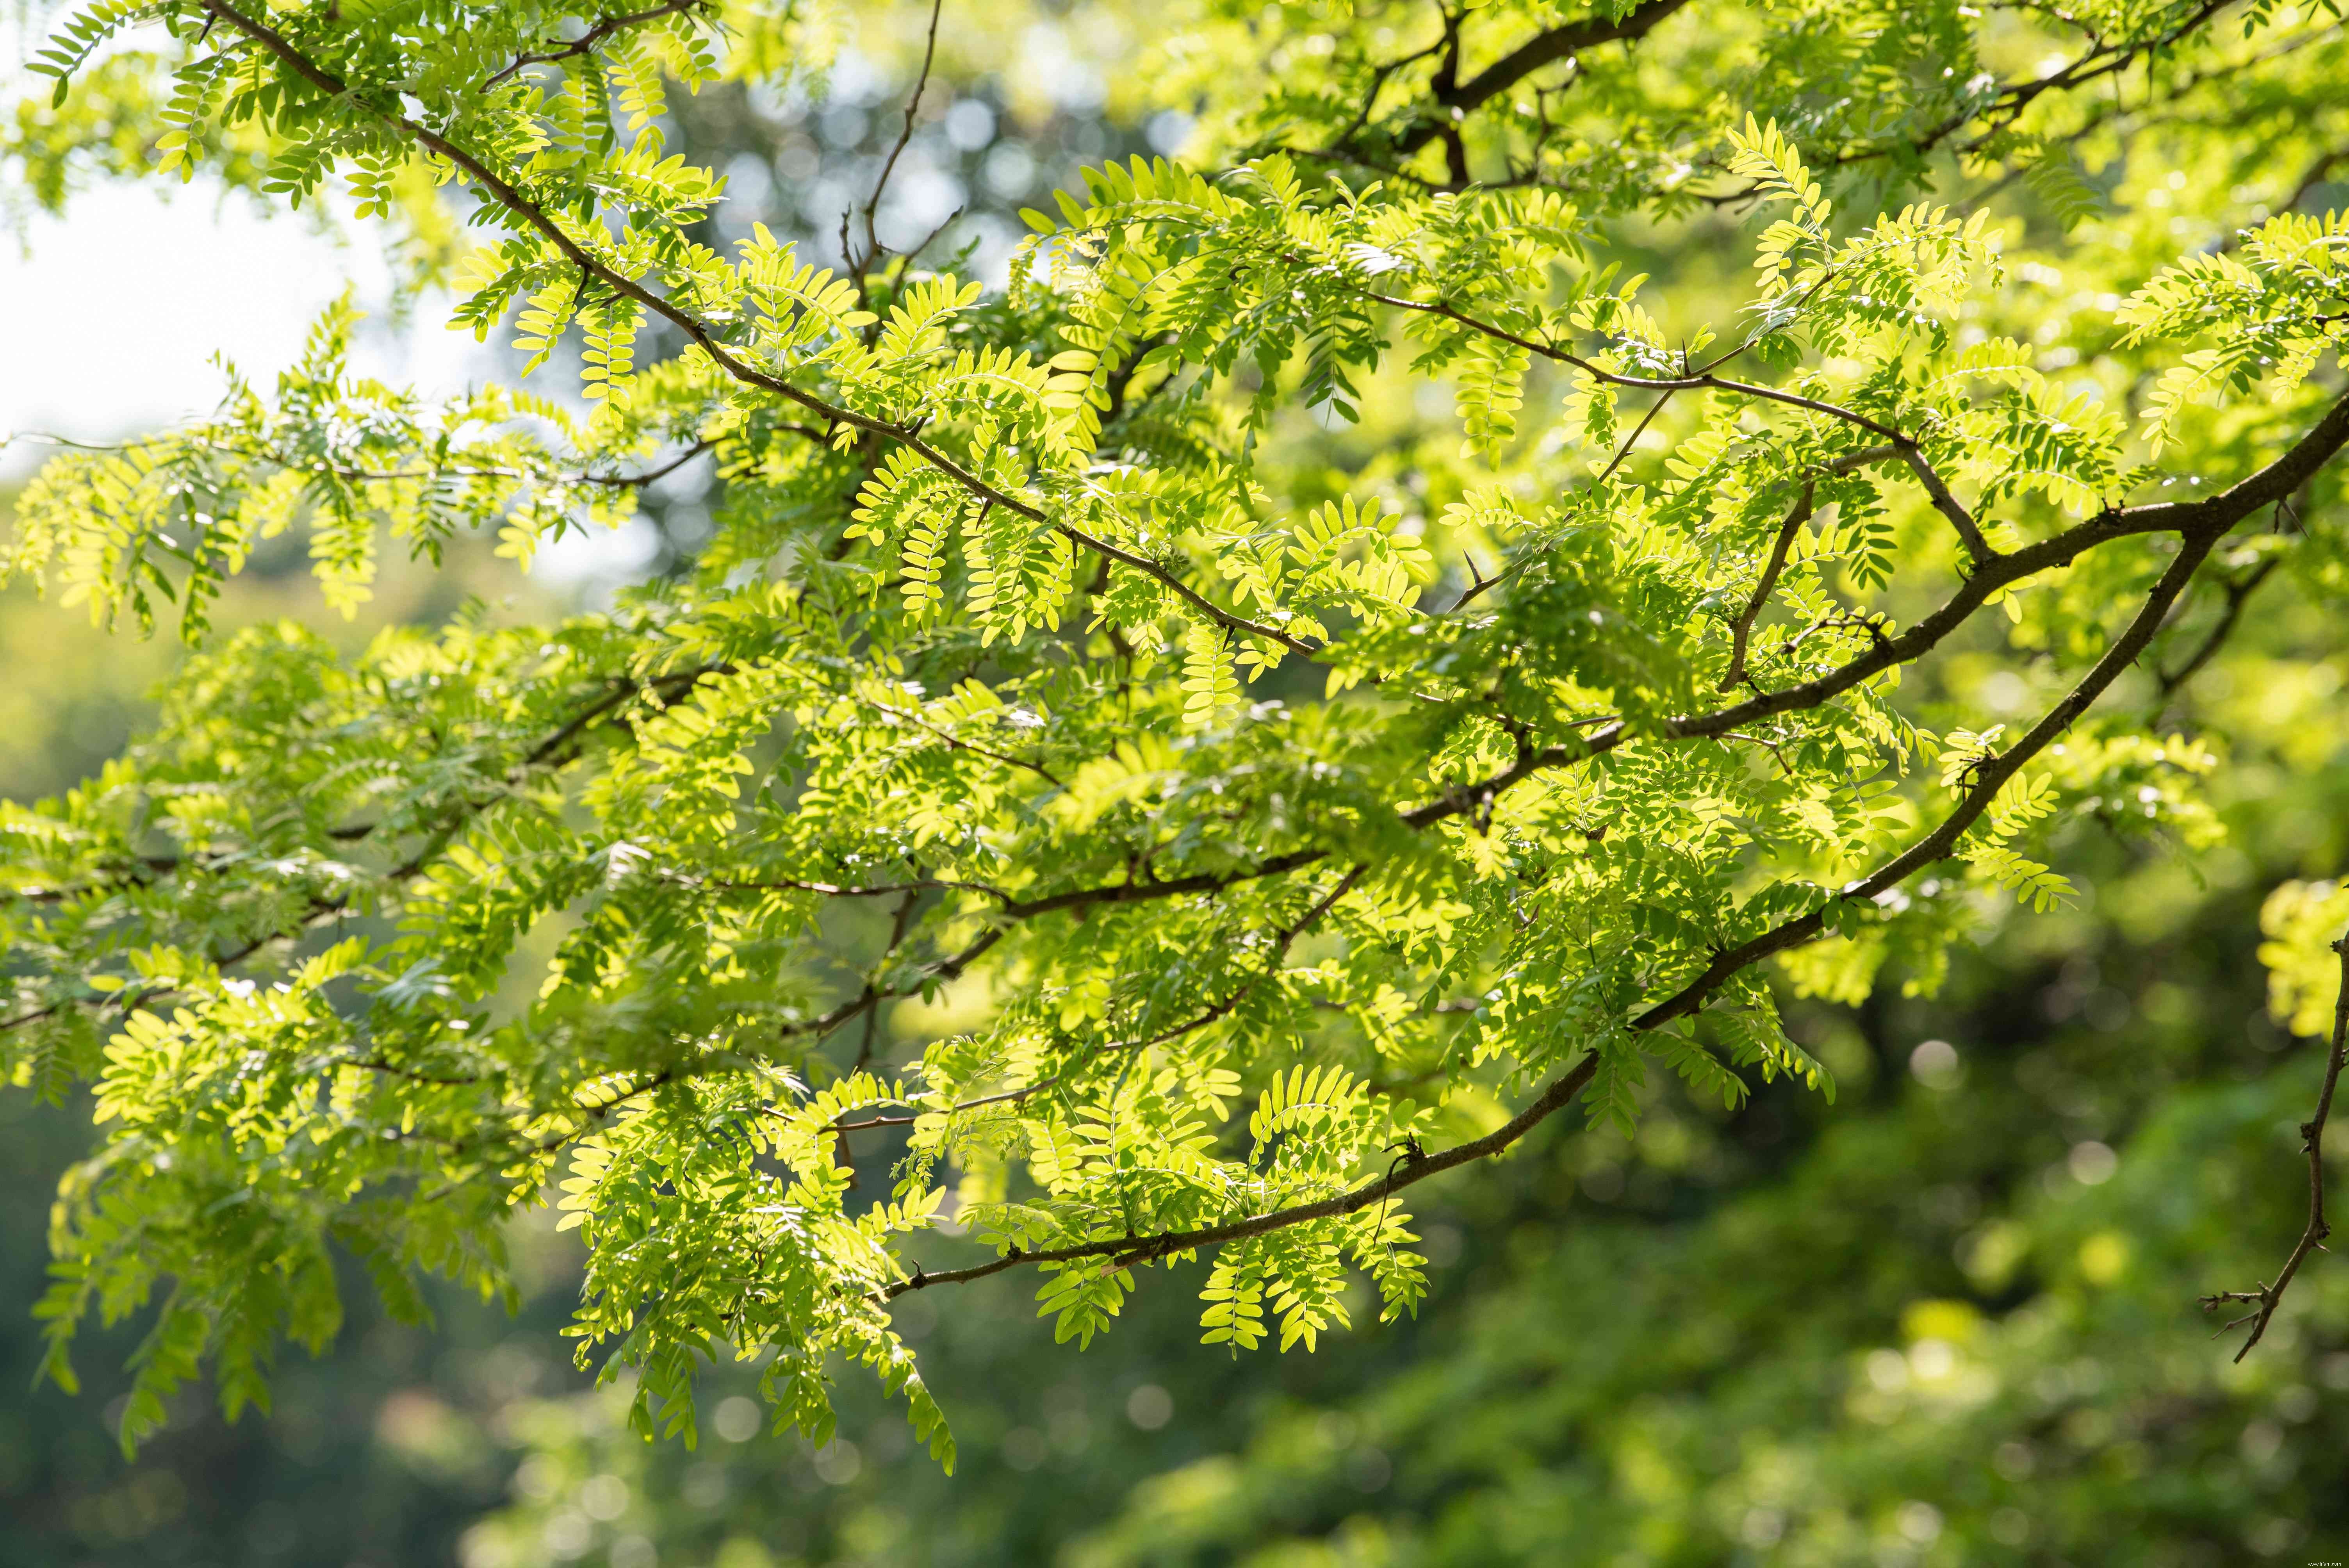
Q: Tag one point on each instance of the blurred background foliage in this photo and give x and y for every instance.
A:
(1948, 1319)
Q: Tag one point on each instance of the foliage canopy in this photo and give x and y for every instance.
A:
(1276, 837)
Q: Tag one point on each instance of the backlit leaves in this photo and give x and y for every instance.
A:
(1170, 837)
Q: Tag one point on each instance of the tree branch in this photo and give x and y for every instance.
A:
(705, 338)
(1742, 627)
(390, 475)
(2202, 524)
(1990, 776)
(1907, 446)
(2238, 593)
(837, 890)
(2205, 522)
(554, 751)
(1937, 489)
(1283, 939)
(1409, 1172)
(593, 39)
(889, 164)
(1542, 49)
(2268, 1297)
(957, 742)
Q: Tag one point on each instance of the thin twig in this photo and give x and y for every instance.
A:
(393, 476)
(554, 751)
(591, 40)
(1282, 939)
(1632, 439)
(505, 194)
(838, 890)
(2268, 1297)
(889, 164)
(898, 923)
(1969, 532)
(1742, 627)
(2238, 593)
(1131, 1250)
(958, 743)
(1543, 48)
(1905, 444)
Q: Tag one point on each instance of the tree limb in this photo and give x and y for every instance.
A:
(2204, 523)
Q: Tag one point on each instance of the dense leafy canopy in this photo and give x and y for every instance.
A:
(1267, 835)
